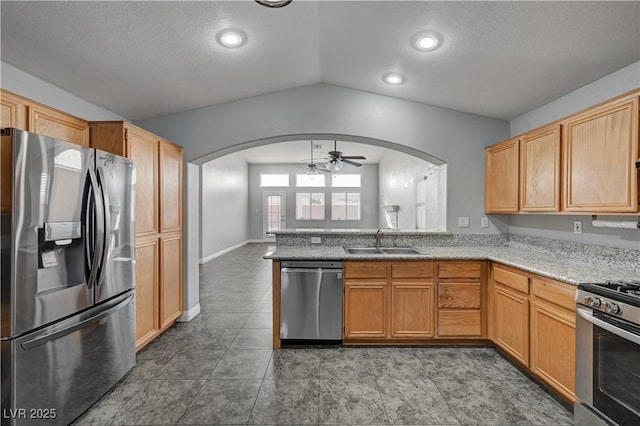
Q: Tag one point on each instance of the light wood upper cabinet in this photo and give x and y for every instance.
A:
(13, 110)
(501, 177)
(600, 147)
(143, 149)
(26, 114)
(49, 122)
(170, 187)
(540, 170)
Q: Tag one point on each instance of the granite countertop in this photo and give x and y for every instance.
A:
(356, 232)
(562, 269)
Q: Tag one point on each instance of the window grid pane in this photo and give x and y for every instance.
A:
(304, 180)
(274, 180)
(346, 180)
(345, 206)
(309, 206)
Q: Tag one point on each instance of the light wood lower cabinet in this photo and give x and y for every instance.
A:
(461, 297)
(412, 309)
(366, 309)
(510, 312)
(388, 301)
(533, 321)
(170, 280)
(147, 318)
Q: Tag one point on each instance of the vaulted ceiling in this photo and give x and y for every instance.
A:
(147, 59)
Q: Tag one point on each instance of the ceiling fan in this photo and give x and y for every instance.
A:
(312, 168)
(336, 159)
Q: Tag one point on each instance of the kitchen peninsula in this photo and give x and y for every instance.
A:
(513, 291)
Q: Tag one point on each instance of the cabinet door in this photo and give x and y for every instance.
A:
(147, 255)
(540, 170)
(553, 352)
(501, 177)
(144, 150)
(170, 187)
(171, 280)
(49, 122)
(365, 309)
(600, 149)
(12, 111)
(412, 309)
(511, 322)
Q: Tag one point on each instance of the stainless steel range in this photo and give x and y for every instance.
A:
(608, 354)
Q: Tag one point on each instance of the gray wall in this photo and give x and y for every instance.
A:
(224, 205)
(561, 227)
(369, 198)
(454, 137)
(18, 81)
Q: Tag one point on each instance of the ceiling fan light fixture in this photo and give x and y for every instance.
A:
(231, 38)
(274, 4)
(394, 78)
(426, 41)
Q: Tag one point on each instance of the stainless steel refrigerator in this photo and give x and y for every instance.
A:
(68, 270)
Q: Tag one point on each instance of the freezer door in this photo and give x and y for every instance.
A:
(45, 243)
(65, 368)
(116, 181)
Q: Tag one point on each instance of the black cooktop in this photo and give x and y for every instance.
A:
(623, 291)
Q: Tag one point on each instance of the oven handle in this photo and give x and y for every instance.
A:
(587, 316)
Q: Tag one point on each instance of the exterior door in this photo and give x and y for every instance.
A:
(274, 208)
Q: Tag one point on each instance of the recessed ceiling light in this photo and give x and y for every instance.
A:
(231, 38)
(274, 3)
(393, 78)
(426, 41)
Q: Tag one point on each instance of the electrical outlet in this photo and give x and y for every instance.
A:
(484, 222)
(463, 222)
(577, 227)
(316, 240)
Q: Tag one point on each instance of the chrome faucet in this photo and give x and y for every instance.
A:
(378, 235)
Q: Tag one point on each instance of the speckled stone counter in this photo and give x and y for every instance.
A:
(567, 269)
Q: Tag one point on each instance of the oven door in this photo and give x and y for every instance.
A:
(607, 367)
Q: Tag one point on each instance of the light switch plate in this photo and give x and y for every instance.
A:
(463, 222)
(484, 222)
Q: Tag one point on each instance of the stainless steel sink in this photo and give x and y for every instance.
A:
(363, 250)
(382, 250)
(400, 250)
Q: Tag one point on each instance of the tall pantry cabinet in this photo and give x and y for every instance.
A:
(158, 222)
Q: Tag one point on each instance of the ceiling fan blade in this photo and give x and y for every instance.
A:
(353, 163)
(353, 157)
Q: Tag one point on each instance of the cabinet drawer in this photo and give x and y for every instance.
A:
(369, 269)
(460, 270)
(554, 293)
(422, 269)
(459, 323)
(511, 279)
(459, 295)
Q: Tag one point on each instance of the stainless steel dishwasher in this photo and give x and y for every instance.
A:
(311, 300)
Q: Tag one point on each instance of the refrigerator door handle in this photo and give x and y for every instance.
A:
(106, 231)
(60, 333)
(98, 229)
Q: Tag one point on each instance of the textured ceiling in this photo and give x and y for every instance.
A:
(146, 59)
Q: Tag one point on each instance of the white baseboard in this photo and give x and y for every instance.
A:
(190, 314)
(228, 249)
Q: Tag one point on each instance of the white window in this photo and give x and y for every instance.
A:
(304, 180)
(345, 181)
(345, 206)
(309, 206)
(270, 179)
